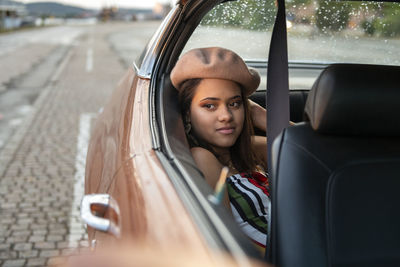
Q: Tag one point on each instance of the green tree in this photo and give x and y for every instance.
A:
(297, 3)
(390, 23)
(383, 19)
(332, 15)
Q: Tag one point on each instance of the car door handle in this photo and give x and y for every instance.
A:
(95, 207)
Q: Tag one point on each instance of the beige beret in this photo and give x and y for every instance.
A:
(215, 63)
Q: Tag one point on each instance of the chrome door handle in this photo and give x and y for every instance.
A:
(95, 206)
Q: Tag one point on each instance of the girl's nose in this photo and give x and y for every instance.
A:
(225, 114)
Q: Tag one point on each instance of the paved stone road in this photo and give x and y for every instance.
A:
(41, 165)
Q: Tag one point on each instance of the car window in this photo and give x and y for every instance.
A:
(319, 33)
(343, 32)
(340, 32)
(242, 26)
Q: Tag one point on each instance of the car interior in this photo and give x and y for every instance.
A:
(337, 203)
(335, 173)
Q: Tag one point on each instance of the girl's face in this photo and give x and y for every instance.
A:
(217, 113)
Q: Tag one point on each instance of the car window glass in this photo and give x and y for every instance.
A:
(242, 26)
(343, 32)
(320, 32)
(339, 32)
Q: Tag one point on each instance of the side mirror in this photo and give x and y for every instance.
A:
(101, 212)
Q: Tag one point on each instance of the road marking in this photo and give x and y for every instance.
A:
(89, 60)
(76, 225)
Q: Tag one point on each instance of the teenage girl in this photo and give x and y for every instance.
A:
(214, 84)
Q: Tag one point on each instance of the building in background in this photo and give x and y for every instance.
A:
(11, 15)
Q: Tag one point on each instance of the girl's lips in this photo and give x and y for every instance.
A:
(227, 130)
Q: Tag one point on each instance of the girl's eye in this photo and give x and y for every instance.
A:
(235, 104)
(209, 106)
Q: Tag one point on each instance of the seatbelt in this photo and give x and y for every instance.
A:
(277, 81)
(277, 97)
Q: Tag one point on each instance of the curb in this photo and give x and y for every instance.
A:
(8, 152)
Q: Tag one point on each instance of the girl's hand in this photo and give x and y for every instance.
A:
(258, 115)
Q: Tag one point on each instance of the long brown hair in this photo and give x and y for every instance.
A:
(242, 154)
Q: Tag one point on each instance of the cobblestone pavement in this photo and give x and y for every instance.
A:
(11, 67)
(41, 167)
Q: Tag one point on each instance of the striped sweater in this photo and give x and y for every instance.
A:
(249, 200)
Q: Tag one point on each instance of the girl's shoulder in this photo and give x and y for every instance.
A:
(202, 155)
(202, 152)
(207, 163)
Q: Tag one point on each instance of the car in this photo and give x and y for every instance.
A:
(142, 183)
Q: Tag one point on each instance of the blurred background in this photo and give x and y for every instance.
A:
(59, 62)
(31, 13)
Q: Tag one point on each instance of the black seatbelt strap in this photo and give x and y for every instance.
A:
(277, 97)
(277, 81)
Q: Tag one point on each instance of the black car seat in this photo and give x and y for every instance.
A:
(336, 178)
(297, 101)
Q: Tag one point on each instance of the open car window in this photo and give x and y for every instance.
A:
(319, 33)
(242, 26)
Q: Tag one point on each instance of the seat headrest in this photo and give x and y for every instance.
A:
(355, 99)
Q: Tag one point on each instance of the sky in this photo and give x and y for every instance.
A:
(101, 3)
